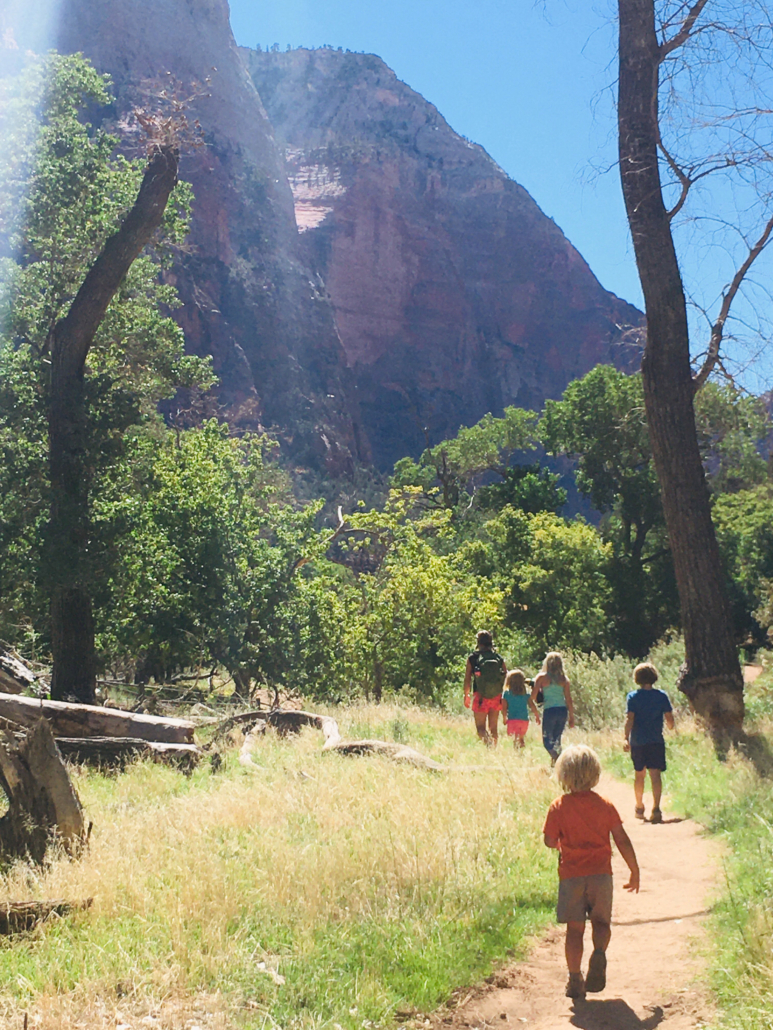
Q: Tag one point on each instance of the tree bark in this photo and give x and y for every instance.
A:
(711, 676)
(117, 751)
(23, 916)
(71, 720)
(72, 622)
(42, 804)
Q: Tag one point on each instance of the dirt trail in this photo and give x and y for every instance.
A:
(653, 963)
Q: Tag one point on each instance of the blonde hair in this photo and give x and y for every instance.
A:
(578, 768)
(553, 665)
(515, 682)
(645, 673)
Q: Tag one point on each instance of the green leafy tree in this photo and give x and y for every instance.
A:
(448, 473)
(420, 608)
(600, 423)
(85, 350)
(553, 576)
(733, 429)
(209, 559)
(744, 522)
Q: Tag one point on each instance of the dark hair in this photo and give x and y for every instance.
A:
(484, 638)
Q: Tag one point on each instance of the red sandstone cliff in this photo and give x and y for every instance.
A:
(453, 293)
(249, 298)
(420, 288)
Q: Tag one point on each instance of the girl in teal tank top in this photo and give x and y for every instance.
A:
(558, 707)
(553, 695)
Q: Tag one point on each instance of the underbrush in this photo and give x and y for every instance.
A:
(308, 891)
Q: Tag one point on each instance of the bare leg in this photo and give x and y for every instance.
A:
(657, 786)
(601, 934)
(638, 787)
(480, 726)
(493, 727)
(574, 935)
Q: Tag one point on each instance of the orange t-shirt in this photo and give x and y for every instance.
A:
(582, 823)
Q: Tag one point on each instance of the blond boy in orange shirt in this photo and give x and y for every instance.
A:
(579, 826)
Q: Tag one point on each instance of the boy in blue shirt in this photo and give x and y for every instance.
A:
(647, 708)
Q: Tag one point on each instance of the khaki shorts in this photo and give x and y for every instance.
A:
(585, 897)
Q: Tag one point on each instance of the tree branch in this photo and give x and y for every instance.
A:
(669, 45)
(74, 334)
(718, 329)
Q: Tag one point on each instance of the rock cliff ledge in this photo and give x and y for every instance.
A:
(453, 293)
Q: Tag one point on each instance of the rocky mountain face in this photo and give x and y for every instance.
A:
(365, 278)
(453, 293)
(249, 298)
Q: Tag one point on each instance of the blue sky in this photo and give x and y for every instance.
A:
(530, 82)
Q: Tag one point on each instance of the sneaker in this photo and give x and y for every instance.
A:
(639, 812)
(596, 980)
(657, 816)
(575, 987)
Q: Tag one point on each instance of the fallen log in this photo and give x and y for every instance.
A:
(23, 916)
(387, 749)
(285, 722)
(73, 720)
(15, 676)
(42, 803)
(117, 751)
(244, 721)
(292, 722)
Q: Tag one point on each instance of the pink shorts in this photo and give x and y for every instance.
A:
(517, 727)
(486, 704)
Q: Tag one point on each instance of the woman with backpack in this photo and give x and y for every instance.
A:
(557, 706)
(485, 676)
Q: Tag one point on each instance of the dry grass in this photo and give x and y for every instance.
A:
(366, 884)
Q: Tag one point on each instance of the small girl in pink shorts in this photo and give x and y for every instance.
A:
(515, 707)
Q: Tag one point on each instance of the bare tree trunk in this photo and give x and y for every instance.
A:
(42, 803)
(72, 622)
(711, 676)
(378, 680)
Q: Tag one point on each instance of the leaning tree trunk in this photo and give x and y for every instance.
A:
(72, 621)
(711, 676)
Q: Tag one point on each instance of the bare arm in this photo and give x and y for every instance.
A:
(569, 702)
(467, 683)
(533, 699)
(625, 848)
(627, 731)
(669, 717)
(550, 842)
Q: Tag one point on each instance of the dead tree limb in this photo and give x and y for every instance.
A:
(387, 749)
(23, 916)
(72, 720)
(42, 804)
(117, 751)
(292, 722)
(15, 676)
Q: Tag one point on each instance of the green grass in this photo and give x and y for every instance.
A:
(370, 887)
